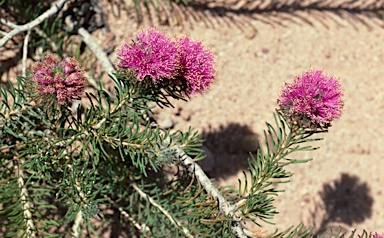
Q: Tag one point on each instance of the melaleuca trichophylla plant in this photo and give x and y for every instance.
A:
(79, 172)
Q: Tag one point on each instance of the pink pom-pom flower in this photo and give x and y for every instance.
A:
(153, 55)
(313, 96)
(196, 65)
(63, 79)
(157, 57)
(378, 235)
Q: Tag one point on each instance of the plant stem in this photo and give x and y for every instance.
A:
(25, 53)
(142, 228)
(79, 215)
(113, 111)
(173, 220)
(224, 205)
(27, 205)
(77, 224)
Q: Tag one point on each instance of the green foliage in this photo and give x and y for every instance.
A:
(267, 169)
(80, 160)
(107, 154)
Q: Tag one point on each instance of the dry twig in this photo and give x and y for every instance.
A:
(25, 54)
(27, 204)
(26, 27)
(224, 205)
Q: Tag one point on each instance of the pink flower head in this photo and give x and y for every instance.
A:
(378, 236)
(153, 54)
(64, 79)
(312, 95)
(197, 65)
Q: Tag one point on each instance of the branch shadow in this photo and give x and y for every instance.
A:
(242, 14)
(280, 12)
(346, 200)
(227, 150)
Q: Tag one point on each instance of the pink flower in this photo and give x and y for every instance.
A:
(183, 62)
(153, 55)
(312, 96)
(64, 79)
(378, 236)
(197, 65)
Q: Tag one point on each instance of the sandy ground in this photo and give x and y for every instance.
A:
(255, 54)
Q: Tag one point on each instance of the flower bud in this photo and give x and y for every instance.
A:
(63, 79)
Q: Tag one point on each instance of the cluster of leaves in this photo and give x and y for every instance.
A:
(76, 161)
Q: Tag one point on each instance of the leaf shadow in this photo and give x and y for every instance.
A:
(243, 14)
(283, 12)
(227, 149)
(346, 200)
